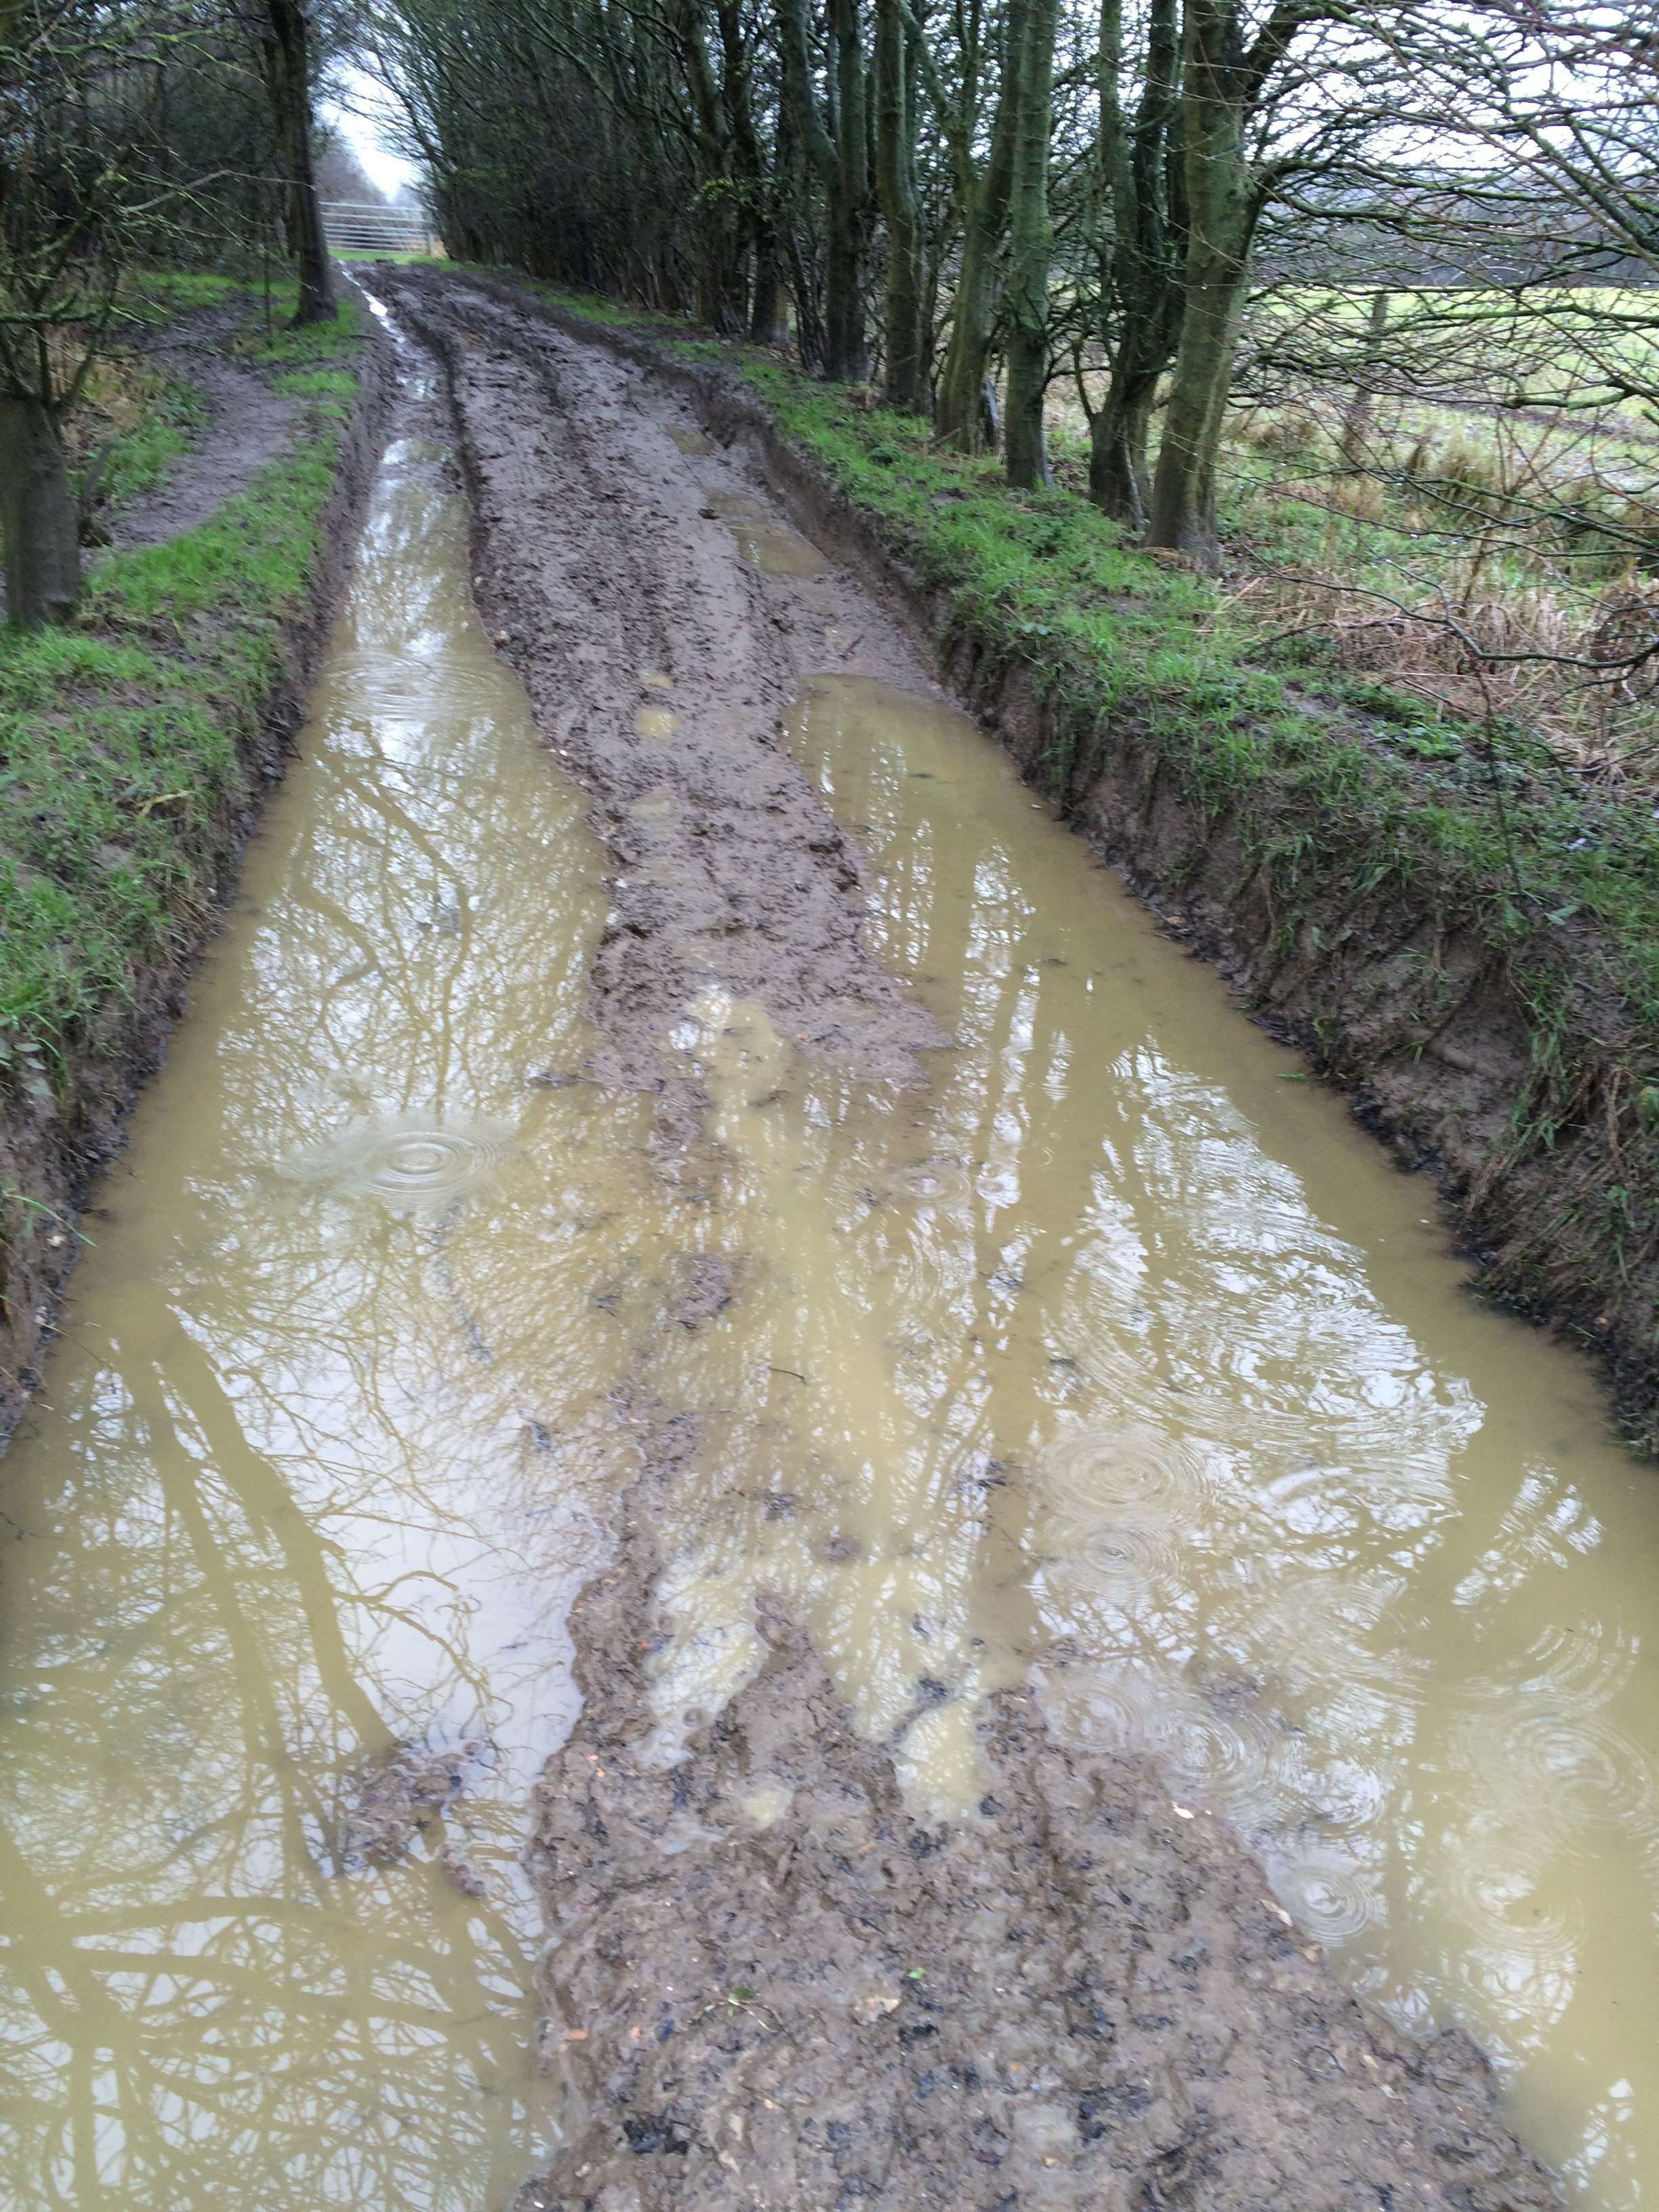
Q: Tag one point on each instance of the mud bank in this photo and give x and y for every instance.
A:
(768, 1982)
(58, 1125)
(1403, 993)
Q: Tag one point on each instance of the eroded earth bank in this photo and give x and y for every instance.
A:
(837, 1912)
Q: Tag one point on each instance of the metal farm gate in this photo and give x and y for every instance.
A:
(370, 227)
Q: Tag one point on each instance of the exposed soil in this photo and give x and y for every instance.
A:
(247, 425)
(767, 1984)
(603, 563)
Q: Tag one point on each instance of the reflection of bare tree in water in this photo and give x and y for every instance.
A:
(188, 1967)
(303, 1518)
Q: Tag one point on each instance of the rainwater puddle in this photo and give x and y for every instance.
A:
(314, 1473)
(1117, 1336)
(1107, 1355)
(775, 550)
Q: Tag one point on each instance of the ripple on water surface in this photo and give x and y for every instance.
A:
(406, 1160)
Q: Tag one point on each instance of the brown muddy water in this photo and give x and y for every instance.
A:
(1115, 1356)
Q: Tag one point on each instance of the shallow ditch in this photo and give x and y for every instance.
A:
(1097, 1350)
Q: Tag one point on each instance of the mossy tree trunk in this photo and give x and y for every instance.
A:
(837, 145)
(904, 366)
(1030, 249)
(1137, 176)
(960, 414)
(38, 514)
(287, 51)
(1222, 86)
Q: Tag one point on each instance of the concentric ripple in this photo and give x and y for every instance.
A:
(1496, 1887)
(1224, 1763)
(409, 1161)
(1566, 1772)
(1092, 1473)
(1329, 1896)
(1121, 1556)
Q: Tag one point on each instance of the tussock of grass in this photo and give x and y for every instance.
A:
(126, 737)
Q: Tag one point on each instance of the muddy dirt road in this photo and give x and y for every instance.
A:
(741, 1506)
(771, 1981)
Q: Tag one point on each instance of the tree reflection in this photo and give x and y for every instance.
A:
(284, 1515)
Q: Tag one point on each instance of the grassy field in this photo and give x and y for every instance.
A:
(1499, 491)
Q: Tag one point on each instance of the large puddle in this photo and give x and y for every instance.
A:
(1116, 1354)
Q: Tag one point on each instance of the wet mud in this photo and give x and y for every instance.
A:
(769, 1985)
(607, 565)
(246, 425)
(773, 1977)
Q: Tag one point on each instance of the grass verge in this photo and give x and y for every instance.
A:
(127, 737)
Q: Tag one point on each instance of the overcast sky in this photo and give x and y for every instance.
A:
(358, 116)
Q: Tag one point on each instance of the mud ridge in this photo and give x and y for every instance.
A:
(51, 1148)
(1405, 1009)
(658, 663)
(766, 1982)
(768, 1987)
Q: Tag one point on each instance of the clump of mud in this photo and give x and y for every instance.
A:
(388, 1799)
(767, 1985)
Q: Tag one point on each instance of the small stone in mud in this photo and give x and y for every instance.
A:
(667, 2131)
(840, 1545)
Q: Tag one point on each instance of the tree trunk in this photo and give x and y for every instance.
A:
(904, 379)
(1356, 415)
(1222, 205)
(768, 325)
(849, 208)
(839, 152)
(1120, 479)
(38, 515)
(1030, 244)
(287, 79)
(1140, 277)
(959, 411)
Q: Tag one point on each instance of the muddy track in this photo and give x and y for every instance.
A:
(766, 1983)
(603, 565)
(245, 425)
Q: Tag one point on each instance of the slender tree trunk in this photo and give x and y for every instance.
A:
(768, 324)
(839, 152)
(1119, 478)
(288, 78)
(1222, 206)
(1140, 276)
(1356, 415)
(1030, 242)
(849, 207)
(959, 411)
(905, 380)
(37, 515)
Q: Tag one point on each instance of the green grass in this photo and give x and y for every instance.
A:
(126, 737)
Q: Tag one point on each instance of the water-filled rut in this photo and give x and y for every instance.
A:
(803, 1310)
